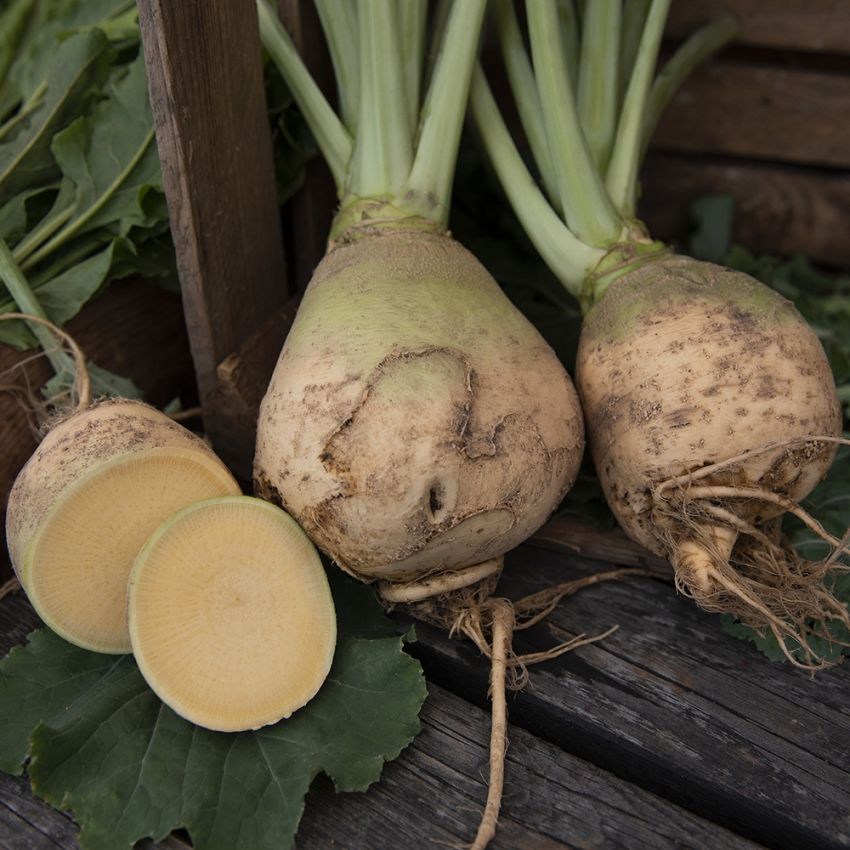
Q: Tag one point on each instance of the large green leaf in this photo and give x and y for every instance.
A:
(101, 743)
(110, 160)
(78, 68)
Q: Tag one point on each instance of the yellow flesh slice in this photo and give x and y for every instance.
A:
(77, 568)
(231, 617)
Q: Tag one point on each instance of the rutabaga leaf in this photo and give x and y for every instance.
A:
(78, 68)
(111, 160)
(103, 383)
(18, 215)
(105, 747)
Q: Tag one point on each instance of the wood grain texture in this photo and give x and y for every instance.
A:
(778, 209)
(205, 79)
(242, 381)
(573, 536)
(816, 25)
(761, 112)
(434, 793)
(672, 704)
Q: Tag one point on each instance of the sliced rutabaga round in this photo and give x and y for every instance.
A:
(231, 617)
(709, 403)
(682, 367)
(415, 421)
(95, 489)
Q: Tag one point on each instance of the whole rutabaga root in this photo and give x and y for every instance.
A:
(712, 412)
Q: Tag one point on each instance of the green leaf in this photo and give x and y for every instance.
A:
(18, 215)
(102, 744)
(103, 383)
(111, 160)
(78, 68)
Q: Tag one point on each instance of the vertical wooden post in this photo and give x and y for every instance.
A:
(205, 77)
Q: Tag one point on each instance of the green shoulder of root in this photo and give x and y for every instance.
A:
(710, 406)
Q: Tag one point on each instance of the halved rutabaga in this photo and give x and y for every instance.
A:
(100, 483)
(231, 617)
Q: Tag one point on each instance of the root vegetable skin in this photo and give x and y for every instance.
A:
(683, 364)
(90, 457)
(416, 421)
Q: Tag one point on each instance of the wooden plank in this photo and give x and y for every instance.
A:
(759, 112)
(205, 79)
(243, 378)
(574, 536)
(817, 25)
(672, 704)
(778, 209)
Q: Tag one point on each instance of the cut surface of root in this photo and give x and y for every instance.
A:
(76, 567)
(231, 616)
(730, 565)
(490, 622)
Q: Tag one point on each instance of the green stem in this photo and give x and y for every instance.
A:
(78, 223)
(569, 258)
(621, 179)
(331, 136)
(634, 18)
(698, 47)
(430, 180)
(597, 80)
(339, 23)
(14, 21)
(438, 26)
(524, 88)
(19, 289)
(383, 148)
(28, 107)
(46, 228)
(570, 29)
(413, 16)
(588, 210)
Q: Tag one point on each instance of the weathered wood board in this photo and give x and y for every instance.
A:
(214, 142)
(670, 703)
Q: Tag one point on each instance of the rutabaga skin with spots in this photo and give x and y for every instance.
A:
(683, 364)
(416, 421)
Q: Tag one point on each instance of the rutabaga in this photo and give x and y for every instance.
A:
(709, 402)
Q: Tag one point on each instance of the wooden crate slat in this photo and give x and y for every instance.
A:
(671, 703)
(816, 25)
(778, 209)
(215, 145)
(758, 112)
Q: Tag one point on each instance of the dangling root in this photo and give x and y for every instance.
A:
(502, 626)
(82, 382)
(489, 622)
(732, 566)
